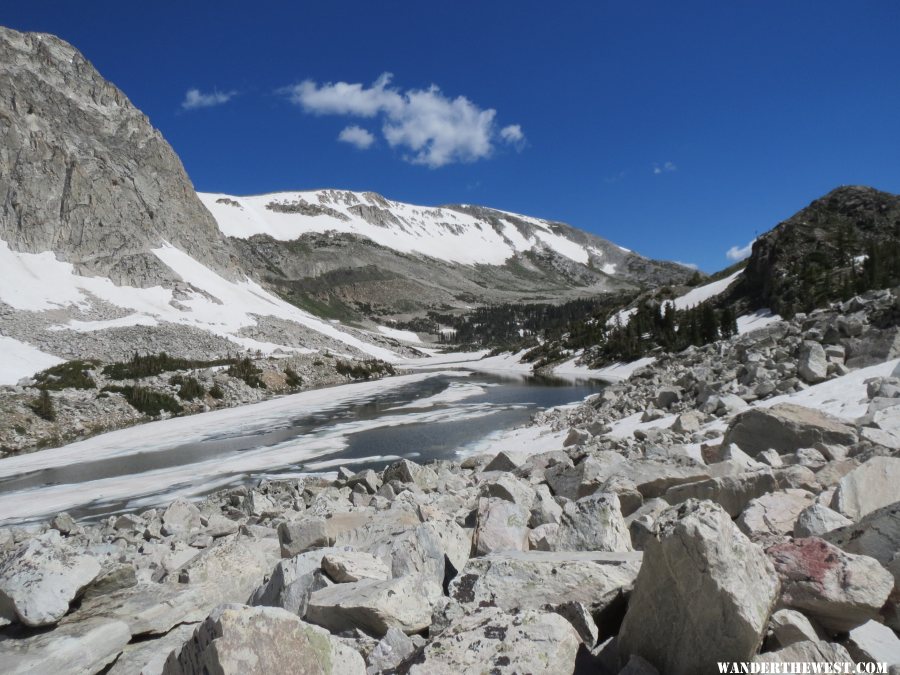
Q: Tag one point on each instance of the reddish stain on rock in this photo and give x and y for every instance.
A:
(811, 559)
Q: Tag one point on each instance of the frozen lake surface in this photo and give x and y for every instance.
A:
(432, 415)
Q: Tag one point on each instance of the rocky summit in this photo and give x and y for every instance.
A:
(754, 520)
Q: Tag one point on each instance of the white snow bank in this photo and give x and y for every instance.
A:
(758, 319)
(22, 360)
(617, 372)
(843, 397)
(402, 335)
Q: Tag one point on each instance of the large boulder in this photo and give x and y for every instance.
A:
(235, 640)
(699, 574)
(228, 571)
(786, 427)
(530, 580)
(876, 535)
(148, 656)
(733, 493)
(774, 513)
(593, 523)
(874, 642)
(303, 535)
(374, 606)
(501, 526)
(80, 649)
(868, 487)
(292, 582)
(180, 518)
(493, 641)
(812, 364)
(350, 566)
(788, 626)
(392, 650)
(839, 590)
(817, 520)
(512, 489)
(41, 578)
(406, 471)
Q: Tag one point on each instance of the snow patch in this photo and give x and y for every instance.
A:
(20, 360)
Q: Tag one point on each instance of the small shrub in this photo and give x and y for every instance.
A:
(42, 406)
(190, 389)
(364, 370)
(71, 374)
(216, 392)
(249, 373)
(147, 365)
(291, 378)
(151, 403)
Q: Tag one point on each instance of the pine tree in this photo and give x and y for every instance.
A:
(43, 406)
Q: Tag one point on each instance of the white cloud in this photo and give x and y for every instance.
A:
(435, 130)
(690, 266)
(739, 252)
(513, 135)
(194, 98)
(357, 137)
(665, 167)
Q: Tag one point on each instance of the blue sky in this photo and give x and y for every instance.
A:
(678, 130)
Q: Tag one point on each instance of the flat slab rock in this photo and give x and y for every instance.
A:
(83, 648)
(226, 572)
(493, 641)
(532, 579)
(374, 606)
(786, 427)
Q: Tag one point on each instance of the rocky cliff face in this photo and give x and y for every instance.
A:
(83, 173)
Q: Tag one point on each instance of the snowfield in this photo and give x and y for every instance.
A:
(440, 233)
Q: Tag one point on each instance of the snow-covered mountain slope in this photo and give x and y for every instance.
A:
(446, 233)
(359, 254)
